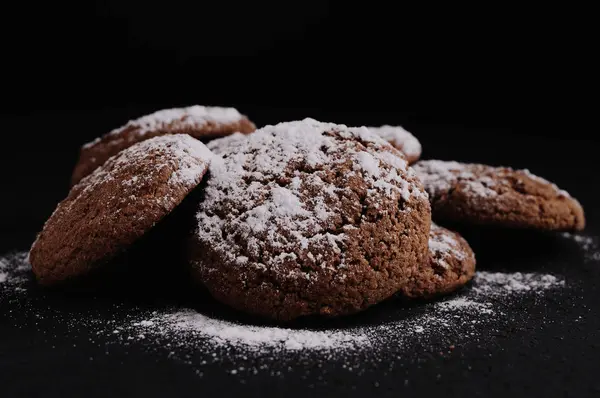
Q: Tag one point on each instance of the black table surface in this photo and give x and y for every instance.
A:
(551, 347)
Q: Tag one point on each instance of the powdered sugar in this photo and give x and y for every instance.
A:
(475, 306)
(399, 138)
(219, 144)
(440, 176)
(589, 245)
(276, 185)
(479, 180)
(225, 333)
(462, 304)
(586, 242)
(192, 157)
(286, 203)
(190, 117)
(495, 283)
(187, 157)
(368, 163)
(481, 187)
(200, 339)
(13, 270)
(442, 245)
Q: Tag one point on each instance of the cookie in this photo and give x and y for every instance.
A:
(220, 144)
(309, 218)
(449, 265)
(202, 122)
(116, 205)
(497, 196)
(401, 139)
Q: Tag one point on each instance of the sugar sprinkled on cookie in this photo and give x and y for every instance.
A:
(401, 139)
(306, 218)
(449, 265)
(191, 117)
(219, 144)
(202, 122)
(501, 196)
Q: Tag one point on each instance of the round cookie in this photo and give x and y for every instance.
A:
(498, 196)
(202, 122)
(115, 205)
(450, 264)
(401, 139)
(309, 218)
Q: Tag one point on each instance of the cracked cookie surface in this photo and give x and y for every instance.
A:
(115, 205)
(499, 196)
(450, 264)
(202, 122)
(308, 218)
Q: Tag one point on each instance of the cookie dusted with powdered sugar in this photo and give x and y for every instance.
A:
(305, 218)
(401, 139)
(115, 205)
(220, 144)
(450, 265)
(202, 122)
(500, 196)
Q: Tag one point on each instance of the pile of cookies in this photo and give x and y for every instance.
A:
(295, 219)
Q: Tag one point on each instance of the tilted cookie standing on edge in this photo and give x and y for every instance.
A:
(449, 265)
(115, 205)
(305, 218)
(401, 139)
(499, 196)
(201, 122)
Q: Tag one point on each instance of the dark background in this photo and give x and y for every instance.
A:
(494, 84)
(478, 66)
(510, 80)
